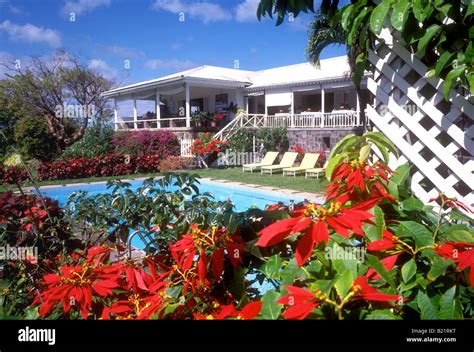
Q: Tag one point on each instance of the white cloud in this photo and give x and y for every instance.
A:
(157, 64)
(253, 50)
(205, 11)
(247, 11)
(82, 6)
(15, 10)
(299, 23)
(31, 34)
(124, 52)
(103, 68)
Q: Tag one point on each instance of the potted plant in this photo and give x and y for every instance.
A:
(198, 117)
(215, 119)
(231, 109)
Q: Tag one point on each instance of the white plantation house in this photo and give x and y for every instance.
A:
(317, 105)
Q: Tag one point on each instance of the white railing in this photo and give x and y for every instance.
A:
(185, 146)
(127, 123)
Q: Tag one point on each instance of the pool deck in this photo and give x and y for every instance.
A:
(308, 195)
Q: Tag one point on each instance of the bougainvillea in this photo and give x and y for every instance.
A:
(205, 144)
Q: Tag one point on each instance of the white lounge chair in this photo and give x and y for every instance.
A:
(287, 161)
(308, 162)
(268, 160)
(316, 171)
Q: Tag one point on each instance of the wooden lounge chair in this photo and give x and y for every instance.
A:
(287, 161)
(316, 171)
(308, 162)
(268, 160)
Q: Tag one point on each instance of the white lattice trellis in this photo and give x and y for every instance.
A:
(434, 135)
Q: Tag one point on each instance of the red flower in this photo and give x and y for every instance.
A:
(75, 287)
(462, 253)
(363, 290)
(452, 203)
(250, 311)
(314, 222)
(388, 241)
(301, 302)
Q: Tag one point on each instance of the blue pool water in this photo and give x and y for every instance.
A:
(242, 197)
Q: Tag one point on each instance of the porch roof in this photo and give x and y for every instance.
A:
(330, 70)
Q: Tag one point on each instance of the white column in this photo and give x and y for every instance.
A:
(357, 109)
(322, 106)
(188, 106)
(246, 104)
(158, 110)
(292, 107)
(115, 114)
(135, 114)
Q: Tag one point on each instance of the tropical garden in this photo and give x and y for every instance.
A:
(370, 250)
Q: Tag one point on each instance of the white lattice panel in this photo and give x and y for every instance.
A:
(435, 136)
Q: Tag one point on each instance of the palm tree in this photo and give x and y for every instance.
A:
(322, 34)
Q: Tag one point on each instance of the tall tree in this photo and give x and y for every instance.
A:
(60, 88)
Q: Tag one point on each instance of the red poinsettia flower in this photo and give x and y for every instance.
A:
(250, 311)
(301, 302)
(452, 203)
(75, 287)
(314, 222)
(388, 263)
(388, 241)
(363, 290)
(462, 253)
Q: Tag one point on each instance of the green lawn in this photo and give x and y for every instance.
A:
(298, 183)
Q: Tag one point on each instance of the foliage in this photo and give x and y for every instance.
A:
(34, 140)
(107, 165)
(12, 174)
(241, 141)
(96, 141)
(29, 222)
(146, 142)
(273, 138)
(440, 32)
(59, 89)
(173, 163)
(206, 144)
(371, 250)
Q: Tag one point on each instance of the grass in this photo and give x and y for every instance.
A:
(298, 183)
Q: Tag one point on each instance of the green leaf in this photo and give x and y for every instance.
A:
(431, 31)
(344, 283)
(381, 139)
(460, 236)
(356, 24)
(400, 14)
(427, 308)
(375, 264)
(419, 9)
(346, 14)
(270, 308)
(443, 60)
(332, 164)
(343, 144)
(469, 54)
(271, 269)
(365, 152)
(377, 18)
(422, 236)
(438, 266)
(470, 80)
(447, 304)
(412, 204)
(401, 174)
(381, 314)
(450, 79)
(408, 270)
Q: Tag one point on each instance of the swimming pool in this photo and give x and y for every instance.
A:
(243, 197)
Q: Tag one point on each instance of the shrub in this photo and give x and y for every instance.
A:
(107, 165)
(96, 141)
(173, 163)
(34, 139)
(146, 142)
(206, 144)
(12, 174)
(241, 141)
(273, 138)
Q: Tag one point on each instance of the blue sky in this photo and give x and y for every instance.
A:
(151, 35)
